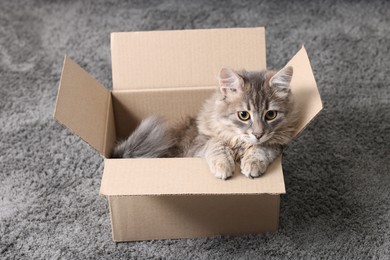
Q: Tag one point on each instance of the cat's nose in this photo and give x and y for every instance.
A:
(258, 135)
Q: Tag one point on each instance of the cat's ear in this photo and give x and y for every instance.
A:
(282, 79)
(230, 83)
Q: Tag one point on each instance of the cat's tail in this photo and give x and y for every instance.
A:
(151, 139)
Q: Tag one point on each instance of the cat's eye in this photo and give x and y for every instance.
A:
(271, 115)
(244, 115)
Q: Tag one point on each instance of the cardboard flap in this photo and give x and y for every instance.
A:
(304, 88)
(84, 106)
(164, 59)
(173, 176)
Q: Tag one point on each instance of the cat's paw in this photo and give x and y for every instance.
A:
(253, 168)
(222, 168)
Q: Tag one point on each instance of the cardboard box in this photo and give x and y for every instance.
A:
(171, 73)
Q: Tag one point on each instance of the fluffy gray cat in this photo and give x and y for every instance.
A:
(249, 119)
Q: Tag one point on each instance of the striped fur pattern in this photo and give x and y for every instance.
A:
(151, 139)
(249, 120)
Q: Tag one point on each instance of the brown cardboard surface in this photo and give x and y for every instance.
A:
(175, 176)
(304, 88)
(167, 217)
(187, 58)
(110, 136)
(172, 103)
(84, 106)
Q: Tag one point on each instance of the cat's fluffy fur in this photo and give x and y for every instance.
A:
(248, 120)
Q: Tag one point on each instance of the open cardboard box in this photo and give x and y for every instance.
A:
(171, 73)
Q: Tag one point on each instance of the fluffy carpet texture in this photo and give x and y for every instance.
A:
(337, 176)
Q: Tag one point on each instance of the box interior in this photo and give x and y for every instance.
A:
(171, 73)
(173, 104)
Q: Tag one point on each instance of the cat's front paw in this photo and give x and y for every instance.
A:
(253, 168)
(222, 168)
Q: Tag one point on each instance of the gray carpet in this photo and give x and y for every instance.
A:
(337, 173)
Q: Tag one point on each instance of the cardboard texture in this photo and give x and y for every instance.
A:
(172, 176)
(189, 58)
(85, 107)
(172, 103)
(156, 217)
(171, 73)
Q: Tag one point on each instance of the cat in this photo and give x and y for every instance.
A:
(250, 119)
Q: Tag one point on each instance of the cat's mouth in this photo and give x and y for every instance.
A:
(263, 139)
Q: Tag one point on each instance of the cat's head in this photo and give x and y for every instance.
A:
(257, 105)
